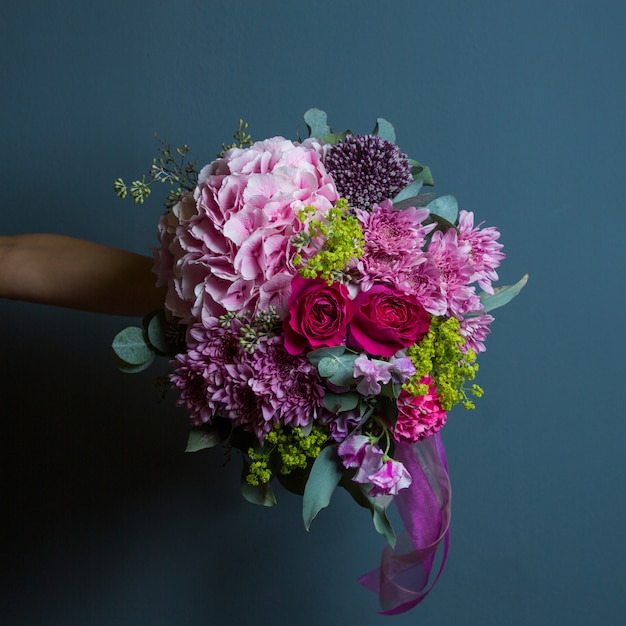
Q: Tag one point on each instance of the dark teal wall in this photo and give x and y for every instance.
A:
(519, 109)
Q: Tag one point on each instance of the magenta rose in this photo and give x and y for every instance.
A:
(318, 316)
(386, 320)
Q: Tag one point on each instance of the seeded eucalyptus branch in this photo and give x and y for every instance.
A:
(170, 167)
(173, 168)
(241, 137)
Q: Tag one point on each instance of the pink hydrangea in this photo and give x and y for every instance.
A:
(228, 247)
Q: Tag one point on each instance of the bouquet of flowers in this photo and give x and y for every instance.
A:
(323, 316)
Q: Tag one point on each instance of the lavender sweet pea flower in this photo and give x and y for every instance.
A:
(358, 451)
(374, 372)
(389, 479)
(402, 368)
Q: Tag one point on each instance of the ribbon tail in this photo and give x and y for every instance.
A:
(402, 580)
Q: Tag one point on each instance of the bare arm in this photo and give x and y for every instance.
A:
(78, 274)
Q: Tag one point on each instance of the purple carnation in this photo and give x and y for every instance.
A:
(367, 170)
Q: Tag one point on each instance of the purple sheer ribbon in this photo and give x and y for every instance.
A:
(401, 581)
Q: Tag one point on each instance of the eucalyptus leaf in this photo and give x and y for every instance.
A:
(127, 368)
(421, 172)
(157, 329)
(446, 207)
(317, 355)
(323, 479)
(131, 347)
(382, 524)
(204, 437)
(384, 130)
(416, 201)
(339, 402)
(338, 369)
(502, 295)
(317, 123)
(375, 505)
(410, 191)
(334, 138)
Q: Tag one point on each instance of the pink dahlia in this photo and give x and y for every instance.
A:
(419, 416)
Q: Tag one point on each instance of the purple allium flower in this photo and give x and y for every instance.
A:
(367, 169)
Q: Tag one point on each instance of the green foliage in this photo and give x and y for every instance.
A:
(323, 480)
(241, 137)
(317, 123)
(205, 437)
(421, 172)
(339, 402)
(409, 192)
(334, 363)
(132, 350)
(502, 295)
(170, 167)
(445, 207)
(384, 130)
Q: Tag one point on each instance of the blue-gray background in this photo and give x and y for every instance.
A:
(519, 109)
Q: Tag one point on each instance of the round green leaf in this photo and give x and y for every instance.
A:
(131, 347)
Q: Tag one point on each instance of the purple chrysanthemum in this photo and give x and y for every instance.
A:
(367, 170)
(287, 387)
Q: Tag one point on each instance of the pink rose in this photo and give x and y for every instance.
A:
(319, 315)
(386, 320)
(419, 416)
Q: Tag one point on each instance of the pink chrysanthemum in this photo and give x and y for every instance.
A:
(393, 241)
(475, 330)
(423, 281)
(452, 258)
(419, 416)
(484, 251)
